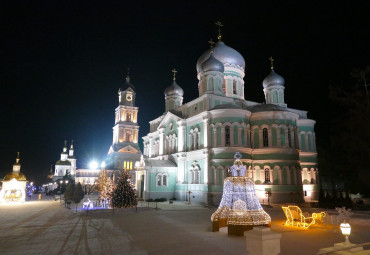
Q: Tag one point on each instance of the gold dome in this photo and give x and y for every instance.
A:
(18, 176)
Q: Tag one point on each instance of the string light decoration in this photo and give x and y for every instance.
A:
(295, 217)
(124, 194)
(239, 208)
(105, 187)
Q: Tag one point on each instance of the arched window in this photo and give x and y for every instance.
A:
(128, 137)
(227, 136)
(234, 86)
(289, 138)
(210, 84)
(159, 180)
(267, 175)
(265, 137)
(128, 117)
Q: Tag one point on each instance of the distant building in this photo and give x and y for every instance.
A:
(14, 185)
(67, 163)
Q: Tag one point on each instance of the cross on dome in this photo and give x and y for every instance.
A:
(174, 73)
(219, 24)
(272, 62)
(211, 42)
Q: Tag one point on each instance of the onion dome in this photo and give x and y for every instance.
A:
(273, 79)
(224, 54)
(174, 90)
(18, 176)
(212, 64)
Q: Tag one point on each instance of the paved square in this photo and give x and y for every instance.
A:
(45, 227)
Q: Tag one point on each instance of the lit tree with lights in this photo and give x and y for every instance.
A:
(124, 194)
(105, 186)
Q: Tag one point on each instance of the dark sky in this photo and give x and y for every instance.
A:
(62, 63)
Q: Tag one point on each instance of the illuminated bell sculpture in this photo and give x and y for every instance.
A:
(239, 209)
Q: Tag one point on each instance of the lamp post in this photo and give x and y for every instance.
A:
(346, 231)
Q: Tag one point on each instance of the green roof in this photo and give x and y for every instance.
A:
(63, 163)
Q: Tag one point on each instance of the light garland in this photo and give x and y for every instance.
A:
(239, 205)
(295, 217)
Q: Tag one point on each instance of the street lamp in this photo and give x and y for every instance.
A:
(346, 231)
(93, 165)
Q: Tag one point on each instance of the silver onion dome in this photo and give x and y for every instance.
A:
(223, 53)
(273, 79)
(212, 64)
(174, 90)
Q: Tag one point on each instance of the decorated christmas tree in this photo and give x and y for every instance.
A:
(105, 187)
(124, 194)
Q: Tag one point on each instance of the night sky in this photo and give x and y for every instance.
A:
(63, 62)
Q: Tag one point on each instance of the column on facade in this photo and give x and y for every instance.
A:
(306, 140)
(292, 137)
(288, 174)
(214, 136)
(135, 117)
(278, 136)
(150, 147)
(280, 174)
(206, 167)
(272, 176)
(294, 176)
(205, 133)
(240, 136)
(161, 141)
(269, 135)
(181, 136)
(286, 137)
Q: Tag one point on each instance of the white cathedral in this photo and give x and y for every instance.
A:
(191, 146)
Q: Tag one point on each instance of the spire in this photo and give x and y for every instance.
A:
(65, 143)
(71, 145)
(219, 24)
(51, 169)
(128, 76)
(174, 74)
(272, 62)
(17, 159)
(211, 44)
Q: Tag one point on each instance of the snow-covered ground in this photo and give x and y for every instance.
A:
(45, 227)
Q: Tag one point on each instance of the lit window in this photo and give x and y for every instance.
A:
(267, 175)
(234, 86)
(265, 138)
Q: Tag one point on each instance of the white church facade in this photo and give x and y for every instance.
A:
(190, 148)
(66, 164)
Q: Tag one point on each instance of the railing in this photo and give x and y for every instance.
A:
(351, 246)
